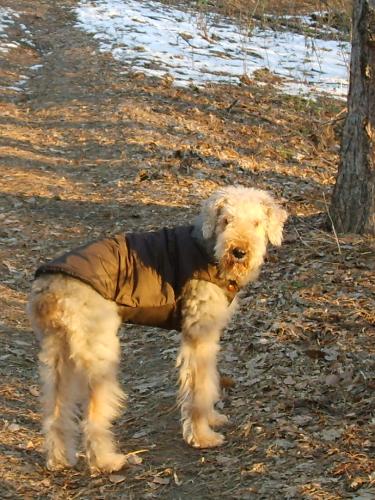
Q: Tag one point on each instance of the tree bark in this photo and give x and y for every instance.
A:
(353, 199)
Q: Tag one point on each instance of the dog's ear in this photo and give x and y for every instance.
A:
(210, 212)
(275, 224)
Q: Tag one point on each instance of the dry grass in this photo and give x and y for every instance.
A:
(248, 13)
(87, 151)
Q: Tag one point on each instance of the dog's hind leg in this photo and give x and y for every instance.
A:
(98, 355)
(60, 393)
(79, 359)
(59, 379)
(105, 402)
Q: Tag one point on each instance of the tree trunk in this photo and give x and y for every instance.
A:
(353, 200)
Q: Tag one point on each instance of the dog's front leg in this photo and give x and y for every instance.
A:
(199, 390)
(204, 315)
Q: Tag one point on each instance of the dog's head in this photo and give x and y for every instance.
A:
(242, 221)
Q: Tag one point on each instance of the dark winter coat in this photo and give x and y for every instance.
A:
(144, 273)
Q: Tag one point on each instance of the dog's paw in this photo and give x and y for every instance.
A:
(110, 462)
(208, 440)
(55, 464)
(217, 419)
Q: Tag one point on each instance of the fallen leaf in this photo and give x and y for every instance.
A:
(332, 379)
(227, 382)
(355, 483)
(116, 478)
(285, 444)
(134, 459)
(177, 481)
(330, 354)
(238, 402)
(302, 419)
(141, 433)
(257, 468)
(330, 434)
(315, 353)
(9, 266)
(34, 390)
(223, 460)
(14, 427)
(161, 480)
(289, 380)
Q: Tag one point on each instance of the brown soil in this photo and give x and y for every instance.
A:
(88, 150)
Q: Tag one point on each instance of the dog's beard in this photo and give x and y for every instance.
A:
(240, 272)
(244, 270)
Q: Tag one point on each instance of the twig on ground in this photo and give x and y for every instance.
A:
(336, 118)
(231, 106)
(300, 238)
(332, 224)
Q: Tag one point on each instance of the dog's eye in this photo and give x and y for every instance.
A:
(256, 223)
(238, 253)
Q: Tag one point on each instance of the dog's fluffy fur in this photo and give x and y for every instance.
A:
(80, 349)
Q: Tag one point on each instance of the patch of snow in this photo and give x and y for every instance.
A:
(147, 36)
(8, 18)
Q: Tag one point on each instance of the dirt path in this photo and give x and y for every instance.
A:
(87, 150)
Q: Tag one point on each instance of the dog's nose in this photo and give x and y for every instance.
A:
(238, 253)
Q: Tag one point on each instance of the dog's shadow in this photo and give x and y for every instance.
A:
(149, 378)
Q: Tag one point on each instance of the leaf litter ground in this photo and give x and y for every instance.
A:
(88, 150)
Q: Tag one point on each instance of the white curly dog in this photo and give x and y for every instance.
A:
(185, 278)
